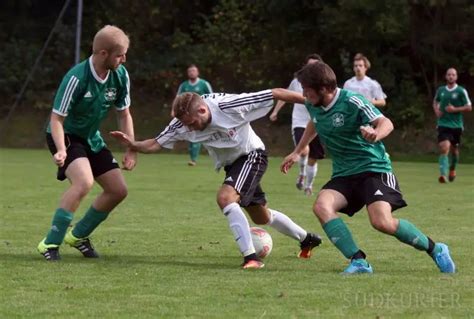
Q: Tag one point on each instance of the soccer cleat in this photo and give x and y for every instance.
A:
(300, 182)
(191, 163)
(443, 259)
(452, 175)
(50, 252)
(307, 245)
(252, 264)
(84, 245)
(442, 179)
(358, 266)
(308, 191)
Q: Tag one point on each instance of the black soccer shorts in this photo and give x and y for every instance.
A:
(453, 135)
(244, 175)
(77, 147)
(365, 188)
(316, 150)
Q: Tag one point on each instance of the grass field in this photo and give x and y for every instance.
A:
(167, 251)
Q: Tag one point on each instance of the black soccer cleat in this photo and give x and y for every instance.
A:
(307, 245)
(51, 254)
(84, 245)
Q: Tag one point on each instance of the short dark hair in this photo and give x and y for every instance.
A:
(317, 76)
(313, 56)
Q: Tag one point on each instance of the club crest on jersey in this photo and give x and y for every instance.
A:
(110, 94)
(454, 95)
(232, 132)
(337, 120)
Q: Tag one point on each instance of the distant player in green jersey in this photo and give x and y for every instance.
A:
(86, 94)
(351, 128)
(450, 102)
(200, 86)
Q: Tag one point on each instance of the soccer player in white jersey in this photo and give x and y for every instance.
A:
(221, 122)
(362, 84)
(299, 119)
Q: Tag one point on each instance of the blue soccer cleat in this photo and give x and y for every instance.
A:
(358, 266)
(443, 259)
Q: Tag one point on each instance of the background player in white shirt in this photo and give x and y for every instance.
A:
(221, 122)
(362, 84)
(299, 120)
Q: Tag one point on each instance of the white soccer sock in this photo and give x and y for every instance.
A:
(240, 227)
(303, 162)
(286, 226)
(311, 172)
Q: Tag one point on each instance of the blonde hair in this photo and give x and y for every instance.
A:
(360, 56)
(110, 38)
(186, 104)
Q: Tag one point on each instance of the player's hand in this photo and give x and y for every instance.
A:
(438, 112)
(369, 133)
(273, 117)
(59, 158)
(129, 160)
(122, 138)
(450, 108)
(288, 162)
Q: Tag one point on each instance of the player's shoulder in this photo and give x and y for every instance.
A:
(352, 98)
(79, 71)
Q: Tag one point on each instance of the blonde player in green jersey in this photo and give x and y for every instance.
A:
(450, 102)
(351, 129)
(88, 91)
(200, 86)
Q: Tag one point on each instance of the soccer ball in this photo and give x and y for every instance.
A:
(262, 241)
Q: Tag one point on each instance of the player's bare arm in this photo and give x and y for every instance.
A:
(378, 102)
(276, 109)
(436, 109)
(126, 125)
(458, 109)
(308, 135)
(288, 96)
(381, 128)
(146, 146)
(57, 132)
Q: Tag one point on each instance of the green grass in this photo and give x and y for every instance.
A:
(167, 251)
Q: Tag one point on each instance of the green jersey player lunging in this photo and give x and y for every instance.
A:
(450, 102)
(87, 92)
(351, 128)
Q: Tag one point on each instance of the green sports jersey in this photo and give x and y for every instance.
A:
(200, 87)
(84, 99)
(456, 96)
(338, 126)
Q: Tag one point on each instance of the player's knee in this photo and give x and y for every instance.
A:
(83, 188)
(384, 226)
(225, 198)
(121, 192)
(323, 211)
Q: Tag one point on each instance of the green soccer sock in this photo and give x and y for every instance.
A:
(194, 149)
(454, 161)
(341, 237)
(89, 222)
(408, 233)
(443, 165)
(61, 220)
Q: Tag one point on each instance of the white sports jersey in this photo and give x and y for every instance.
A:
(300, 116)
(229, 135)
(368, 87)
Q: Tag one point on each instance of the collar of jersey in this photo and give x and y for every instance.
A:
(326, 108)
(195, 83)
(454, 87)
(94, 73)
